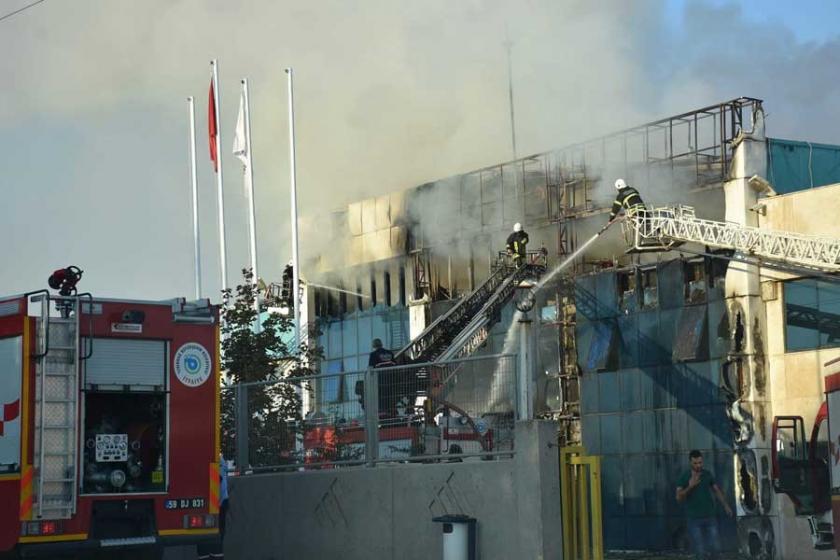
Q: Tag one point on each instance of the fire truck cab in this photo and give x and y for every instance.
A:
(807, 470)
(109, 435)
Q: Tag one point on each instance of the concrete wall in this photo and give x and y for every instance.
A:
(386, 512)
(796, 378)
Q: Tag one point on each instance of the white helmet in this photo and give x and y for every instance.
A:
(620, 184)
(517, 227)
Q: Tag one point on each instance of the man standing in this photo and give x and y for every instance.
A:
(697, 489)
(516, 243)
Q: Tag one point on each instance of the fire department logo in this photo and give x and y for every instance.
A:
(192, 364)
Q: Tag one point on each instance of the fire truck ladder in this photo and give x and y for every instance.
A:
(466, 326)
(664, 228)
(56, 456)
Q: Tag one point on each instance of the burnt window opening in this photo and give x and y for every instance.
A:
(626, 286)
(388, 300)
(320, 308)
(738, 334)
(373, 299)
(331, 303)
(359, 298)
(650, 288)
(402, 286)
(342, 302)
(694, 275)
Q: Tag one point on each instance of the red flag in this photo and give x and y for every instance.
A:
(211, 125)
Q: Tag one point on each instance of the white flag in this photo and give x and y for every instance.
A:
(241, 149)
(240, 141)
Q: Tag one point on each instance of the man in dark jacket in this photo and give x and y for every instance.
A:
(516, 243)
(627, 198)
(389, 380)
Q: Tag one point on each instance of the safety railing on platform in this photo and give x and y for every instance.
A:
(452, 411)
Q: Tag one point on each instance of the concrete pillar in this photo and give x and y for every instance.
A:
(537, 483)
(745, 371)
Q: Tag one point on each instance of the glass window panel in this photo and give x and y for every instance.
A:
(828, 303)
(801, 325)
(11, 369)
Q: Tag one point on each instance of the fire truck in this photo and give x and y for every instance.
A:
(808, 470)
(109, 436)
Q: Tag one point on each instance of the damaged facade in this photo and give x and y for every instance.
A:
(642, 357)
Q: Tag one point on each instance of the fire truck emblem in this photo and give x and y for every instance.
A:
(192, 364)
(10, 412)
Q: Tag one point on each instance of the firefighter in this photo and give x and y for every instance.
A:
(388, 379)
(516, 243)
(380, 357)
(627, 198)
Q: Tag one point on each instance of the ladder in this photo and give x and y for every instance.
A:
(467, 324)
(56, 456)
(665, 227)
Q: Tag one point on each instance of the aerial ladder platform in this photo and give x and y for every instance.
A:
(665, 228)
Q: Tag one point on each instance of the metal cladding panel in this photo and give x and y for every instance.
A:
(611, 484)
(671, 284)
(636, 480)
(589, 402)
(650, 349)
(591, 433)
(607, 296)
(608, 392)
(610, 433)
(663, 387)
(126, 362)
(668, 320)
(628, 350)
(614, 533)
(630, 389)
(585, 301)
(691, 341)
(602, 347)
(718, 329)
(632, 432)
(584, 333)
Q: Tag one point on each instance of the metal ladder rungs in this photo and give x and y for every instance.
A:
(65, 348)
(47, 480)
(59, 426)
(57, 454)
(58, 374)
(62, 320)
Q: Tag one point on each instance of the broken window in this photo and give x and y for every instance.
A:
(695, 281)
(626, 283)
(388, 300)
(812, 314)
(650, 290)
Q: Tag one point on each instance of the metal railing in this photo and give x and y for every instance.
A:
(432, 412)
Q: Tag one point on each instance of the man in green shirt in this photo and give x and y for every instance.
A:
(697, 489)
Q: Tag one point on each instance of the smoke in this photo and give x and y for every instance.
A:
(388, 95)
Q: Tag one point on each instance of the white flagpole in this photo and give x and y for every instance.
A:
(222, 249)
(252, 214)
(194, 185)
(295, 255)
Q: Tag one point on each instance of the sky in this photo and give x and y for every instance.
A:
(388, 94)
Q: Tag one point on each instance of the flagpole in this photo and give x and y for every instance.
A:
(194, 185)
(293, 173)
(252, 214)
(217, 102)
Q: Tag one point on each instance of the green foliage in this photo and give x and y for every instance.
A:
(264, 360)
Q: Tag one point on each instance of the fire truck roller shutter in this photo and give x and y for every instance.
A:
(121, 362)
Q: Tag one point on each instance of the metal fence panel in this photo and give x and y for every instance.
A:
(421, 412)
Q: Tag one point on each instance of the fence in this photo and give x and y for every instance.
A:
(452, 411)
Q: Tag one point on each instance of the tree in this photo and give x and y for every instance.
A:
(271, 366)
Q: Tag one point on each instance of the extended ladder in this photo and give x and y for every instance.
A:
(56, 456)
(469, 320)
(663, 228)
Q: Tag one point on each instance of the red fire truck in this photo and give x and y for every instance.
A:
(109, 436)
(808, 470)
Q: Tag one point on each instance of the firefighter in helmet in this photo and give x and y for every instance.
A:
(627, 198)
(516, 243)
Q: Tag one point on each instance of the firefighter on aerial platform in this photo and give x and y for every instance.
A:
(516, 243)
(631, 201)
(627, 198)
(389, 394)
